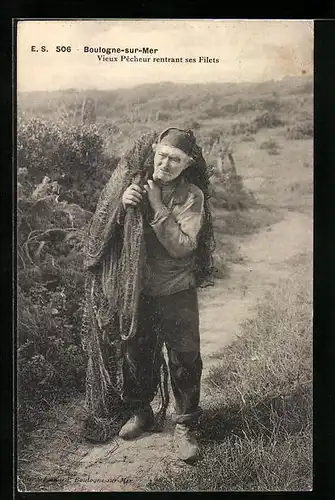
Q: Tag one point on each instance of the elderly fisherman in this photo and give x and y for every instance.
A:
(168, 310)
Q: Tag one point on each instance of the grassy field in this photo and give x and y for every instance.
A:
(256, 431)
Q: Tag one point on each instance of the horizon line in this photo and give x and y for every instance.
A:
(250, 82)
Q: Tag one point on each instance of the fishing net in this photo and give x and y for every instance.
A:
(114, 261)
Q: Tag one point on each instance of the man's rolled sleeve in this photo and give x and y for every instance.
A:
(160, 216)
(178, 233)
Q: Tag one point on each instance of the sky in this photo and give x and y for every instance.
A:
(247, 50)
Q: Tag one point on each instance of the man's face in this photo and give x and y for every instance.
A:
(169, 162)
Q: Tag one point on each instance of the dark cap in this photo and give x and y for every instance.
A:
(178, 138)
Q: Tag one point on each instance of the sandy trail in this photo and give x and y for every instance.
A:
(67, 463)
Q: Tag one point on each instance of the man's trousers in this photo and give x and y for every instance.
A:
(173, 320)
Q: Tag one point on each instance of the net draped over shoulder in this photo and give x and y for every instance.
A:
(114, 261)
(115, 258)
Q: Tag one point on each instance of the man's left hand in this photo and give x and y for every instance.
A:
(154, 194)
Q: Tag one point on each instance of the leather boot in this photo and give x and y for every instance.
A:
(186, 443)
(141, 421)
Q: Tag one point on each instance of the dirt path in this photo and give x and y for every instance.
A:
(67, 463)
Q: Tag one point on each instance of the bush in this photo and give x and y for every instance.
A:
(247, 138)
(268, 120)
(243, 128)
(271, 104)
(300, 131)
(71, 163)
(229, 193)
(162, 116)
(192, 124)
(71, 155)
(271, 146)
(51, 363)
(211, 112)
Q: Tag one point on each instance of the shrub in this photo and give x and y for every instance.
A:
(72, 155)
(162, 116)
(271, 104)
(268, 120)
(229, 193)
(211, 112)
(243, 128)
(214, 135)
(271, 146)
(71, 162)
(192, 124)
(247, 138)
(51, 363)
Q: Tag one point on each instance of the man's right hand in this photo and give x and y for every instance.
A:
(132, 196)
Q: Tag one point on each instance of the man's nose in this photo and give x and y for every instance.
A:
(165, 163)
